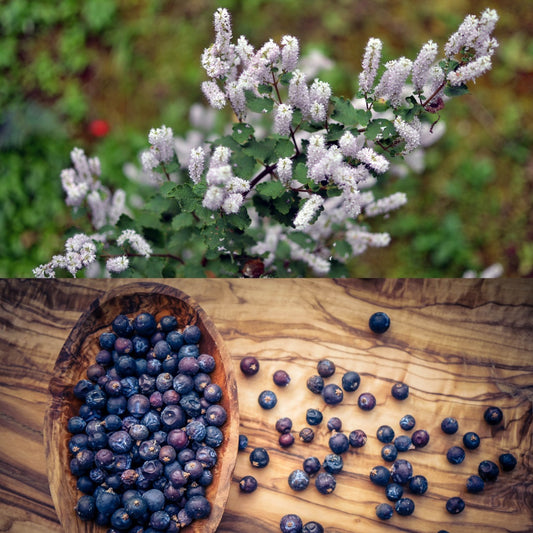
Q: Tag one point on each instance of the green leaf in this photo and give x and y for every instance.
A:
(261, 150)
(239, 220)
(346, 114)
(285, 79)
(380, 127)
(264, 88)
(270, 189)
(335, 132)
(284, 148)
(227, 141)
(245, 165)
(167, 189)
(300, 173)
(455, 90)
(302, 239)
(182, 221)
(342, 249)
(381, 105)
(285, 203)
(242, 132)
(258, 104)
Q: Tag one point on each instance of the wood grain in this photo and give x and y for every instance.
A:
(460, 345)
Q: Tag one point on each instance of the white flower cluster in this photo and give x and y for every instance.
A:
(80, 251)
(224, 190)
(161, 150)
(81, 184)
(136, 241)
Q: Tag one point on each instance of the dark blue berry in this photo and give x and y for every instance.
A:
(389, 452)
(286, 439)
(420, 438)
(474, 484)
(385, 434)
(248, 484)
(401, 471)
(168, 323)
(267, 399)
(259, 457)
(471, 440)
(311, 465)
(122, 326)
(325, 483)
(86, 507)
(291, 523)
(332, 394)
(384, 511)
(334, 424)
(192, 334)
(121, 520)
(403, 443)
(357, 438)
(313, 527)
(339, 443)
(507, 461)
(379, 322)
(144, 324)
(366, 401)
(315, 384)
(455, 455)
(313, 417)
(249, 365)
(407, 422)
(298, 480)
(351, 381)
(175, 340)
(449, 425)
(379, 475)
(76, 424)
(405, 506)
(418, 484)
(216, 415)
(393, 492)
(400, 391)
(493, 415)
(488, 471)
(455, 505)
(107, 340)
(198, 507)
(214, 437)
(333, 463)
(325, 368)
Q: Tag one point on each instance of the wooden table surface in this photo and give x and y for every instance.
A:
(460, 345)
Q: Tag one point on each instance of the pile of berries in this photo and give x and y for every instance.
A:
(144, 441)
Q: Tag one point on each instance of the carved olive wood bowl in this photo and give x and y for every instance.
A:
(79, 352)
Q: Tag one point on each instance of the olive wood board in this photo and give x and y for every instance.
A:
(460, 345)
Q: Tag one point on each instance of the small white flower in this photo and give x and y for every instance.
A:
(371, 59)
(282, 119)
(308, 211)
(375, 161)
(284, 168)
(117, 264)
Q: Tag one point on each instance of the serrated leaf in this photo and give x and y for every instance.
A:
(381, 105)
(245, 165)
(182, 221)
(239, 220)
(284, 148)
(346, 114)
(285, 203)
(167, 189)
(242, 132)
(285, 79)
(342, 249)
(258, 104)
(380, 127)
(335, 132)
(260, 150)
(455, 90)
(227, 141)
(270, 189)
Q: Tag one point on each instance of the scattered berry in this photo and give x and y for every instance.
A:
(311, 465)
(333, 463)
(379, 322)
(474, 484)
(243, 442)
(379, 475)
(259, 458)
(298, 480)
(315, 384)
(407, 422)
(332, 394)
(418, 484)
(385, 434)
(339, 443)
(488, 471)
(357, 438)
(400, 391)
(306, 434)
(420, 438)
(393, 492)
(313, 527)
(248, 484)
(405, 506)
(286, 439)
(334, 424)
(403, 443)
(325, 368)
(291, 523)
(249, 365)
(471, 440)
(389, 452)
(284, 425)
(325, 483)
(384, 511)
(455, 455)
(366, 401)
(267, 399)
(507, 461)
(401, 471)
(313, 417)
(449, 425)
(455, 505)
(281, 378)
(493, 415)
(351, 381)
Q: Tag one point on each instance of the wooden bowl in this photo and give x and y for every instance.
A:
(79, 352)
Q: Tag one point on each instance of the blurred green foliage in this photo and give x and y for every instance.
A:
(136, 64)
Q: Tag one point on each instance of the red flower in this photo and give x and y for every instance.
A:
(99, 128)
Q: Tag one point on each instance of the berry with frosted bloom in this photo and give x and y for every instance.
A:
(410, 133)
(196, 164)
(317, 112)
(162, 141)
(470, 71)
(423, 62)
(282, 119)
(375, 161)
(115, 265)
(350, 145)
(308, 211)
(214, 94)
(371, 59)
(289, 53)
(213, 198)
(136, 241)
(320, 91)
(393, 80)
(299, 91)
(384, 205)
(284, 169)
(232, 203)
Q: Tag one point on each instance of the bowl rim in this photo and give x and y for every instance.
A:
(60, 393)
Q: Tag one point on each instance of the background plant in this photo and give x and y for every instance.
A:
(422, 242)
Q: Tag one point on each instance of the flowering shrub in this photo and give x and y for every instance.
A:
(286, 190)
